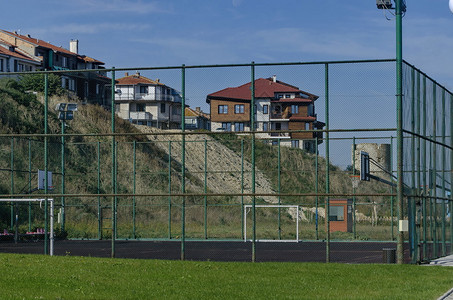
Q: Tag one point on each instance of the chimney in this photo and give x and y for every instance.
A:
(274, 78)
(126, 74)
(74, 46)
(157, 80)
(198, 109)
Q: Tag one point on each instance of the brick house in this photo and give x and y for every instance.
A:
(279, 107)
(90, 87)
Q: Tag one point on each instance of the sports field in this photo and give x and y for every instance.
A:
(66, 277)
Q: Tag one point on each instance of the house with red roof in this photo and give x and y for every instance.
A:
(149, 102)
(196, 119)
(278, 107)
(88, 86)
(14, 60)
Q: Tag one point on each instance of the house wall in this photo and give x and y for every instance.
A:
(231, 116)
(300, 126)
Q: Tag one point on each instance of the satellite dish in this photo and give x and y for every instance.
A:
(451, 5)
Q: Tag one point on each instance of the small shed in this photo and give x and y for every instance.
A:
(340, 215)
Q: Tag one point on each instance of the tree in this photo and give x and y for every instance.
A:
(35, 82)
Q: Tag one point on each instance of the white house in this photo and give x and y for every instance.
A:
(144, 101)
(14, 60)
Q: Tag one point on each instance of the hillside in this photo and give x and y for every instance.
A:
(88, 166)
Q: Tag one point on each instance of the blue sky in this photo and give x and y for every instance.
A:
(147, 33)
(128, 33)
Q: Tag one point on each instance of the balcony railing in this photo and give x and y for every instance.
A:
(147, 97)
(140, 115)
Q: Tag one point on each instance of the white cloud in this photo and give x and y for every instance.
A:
(124, 6)
(75, 28)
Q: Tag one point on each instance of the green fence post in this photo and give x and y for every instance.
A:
(411, 200)
(252, 128)
(134, 234)
(63, 207)
(183, 162)
(451, 175)
(205, 189)
(423, 166)
(354, 233)
(399, 109)
(12, 182)
(242, 188)
(434, 171)
(169, 189)
(113, 163)
(317, 189)
(29, 183)
(444, 163)
(392, 199)
(46, 166)
(279, 190)
(327, 163)
(99, 190)
(419, 182)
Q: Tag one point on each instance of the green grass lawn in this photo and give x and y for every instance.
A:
(44, 277)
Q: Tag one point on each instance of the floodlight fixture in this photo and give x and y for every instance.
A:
(60, 107)
(384, 4)
(72, 107)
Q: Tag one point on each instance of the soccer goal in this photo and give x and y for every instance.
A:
(51, 216)
(278, 212)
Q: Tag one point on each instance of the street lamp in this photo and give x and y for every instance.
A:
(65, 113)
(400, 9)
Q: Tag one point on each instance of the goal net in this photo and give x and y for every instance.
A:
(273, 223)
(51, 217)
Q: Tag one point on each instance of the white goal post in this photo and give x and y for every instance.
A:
(249, 206)
(51, 215)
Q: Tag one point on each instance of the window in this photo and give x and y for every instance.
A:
(223, 109)
(287, 96)
(71, 84)
(226, 126)
(238, 126)
(265, 109)
(97, 88)
(336, 213)
(162, 108)
(65, 61)
(1, 65)
(311, 110)
(294, 109)
(239, 108)
(140, 107)
(143, 89)
(265, 126)
(295, 143)
(307, 126)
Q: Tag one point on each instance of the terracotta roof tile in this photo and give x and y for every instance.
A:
(264, 88)
(137, 79)
(17, 55)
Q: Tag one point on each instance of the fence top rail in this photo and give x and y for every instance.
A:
(205, 66)
(428, 77)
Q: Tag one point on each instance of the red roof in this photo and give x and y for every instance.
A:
(135, 79)
(264, 88)
(41, 43)
(17, 55)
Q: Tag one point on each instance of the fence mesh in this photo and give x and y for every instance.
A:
(160, 193)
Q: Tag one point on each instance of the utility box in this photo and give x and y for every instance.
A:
(340, 215)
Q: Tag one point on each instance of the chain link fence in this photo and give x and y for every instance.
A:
(270, 194)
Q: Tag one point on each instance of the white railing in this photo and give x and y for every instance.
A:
(140, 115)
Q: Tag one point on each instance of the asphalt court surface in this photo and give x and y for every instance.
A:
(342, 252)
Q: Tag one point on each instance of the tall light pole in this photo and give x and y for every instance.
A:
(400, 9)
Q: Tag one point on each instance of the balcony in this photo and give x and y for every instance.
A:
(147, 97)
(140, 115)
